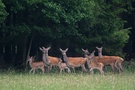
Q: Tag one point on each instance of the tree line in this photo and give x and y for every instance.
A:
(26, 25)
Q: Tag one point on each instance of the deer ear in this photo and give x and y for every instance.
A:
(43, 48)
(83, 49)
(93, 52)
(60, 49)
(66, 49)
(32, 58)
(40, 48)
(96, 47)
(49, 47)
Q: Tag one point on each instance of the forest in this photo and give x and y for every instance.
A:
(27, 25)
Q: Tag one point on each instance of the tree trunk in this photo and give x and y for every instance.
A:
(24, 51)
(29, 49)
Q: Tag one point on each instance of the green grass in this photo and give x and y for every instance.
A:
(20, 80)
(12, 80)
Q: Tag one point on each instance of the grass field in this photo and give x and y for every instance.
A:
(13, 80)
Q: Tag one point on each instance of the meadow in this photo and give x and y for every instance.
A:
(16, 80)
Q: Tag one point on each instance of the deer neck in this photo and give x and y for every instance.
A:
(45, 58)
(86, 55)
(66, 60)
(100, 55)
(89, 60)
(88, 63)
(59, 63)
(30, 63)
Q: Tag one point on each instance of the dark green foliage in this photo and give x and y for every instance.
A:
(74, 24)
(3, 13)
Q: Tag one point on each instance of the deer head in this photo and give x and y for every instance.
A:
(100, 52)
(99, 49)
(45, 55)
(86, 52)
(30, 59)
(64, 51)
(91, 55)
(44, 50)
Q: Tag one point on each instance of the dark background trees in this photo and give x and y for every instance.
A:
(26, 25)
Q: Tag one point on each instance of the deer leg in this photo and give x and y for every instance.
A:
(68, 70)
(120, 66)
(83, 68)
(101, 70)
(63, 70)
(112, 66)
(60, 70)
(91, 71)
(50, 67)
(116, 65)
(73, 69)
(43, 70)
(56, 68)
(105, 68)
(31, 70)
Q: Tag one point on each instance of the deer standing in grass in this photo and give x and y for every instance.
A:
(35, 65)
(94, 64)
(62, 66)
(117, 64)
(73, 62)
(50, 61)
(113, 61)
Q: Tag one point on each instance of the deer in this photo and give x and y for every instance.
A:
(73, 62)
(113, 61)
(35, 65)
(62, 66)
(94, 64)
(50, 61)
(118, 63)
